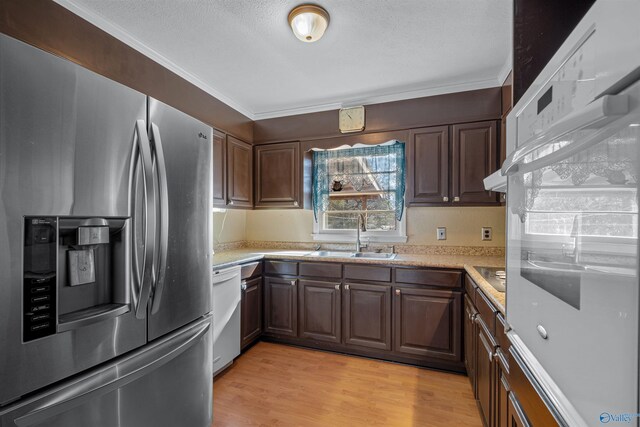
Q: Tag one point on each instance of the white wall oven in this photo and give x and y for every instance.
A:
(572, 219)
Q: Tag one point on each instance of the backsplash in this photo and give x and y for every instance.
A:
(292, 229)
(400, 249)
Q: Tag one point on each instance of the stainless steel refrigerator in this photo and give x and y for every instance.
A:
(105, 246)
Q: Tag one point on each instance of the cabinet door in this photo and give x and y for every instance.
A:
(484, 383)
(251, 311)
(516, 417)
(474, 157)
(219, 168)
(428, 323)
(469, 342)
(239, 173)
(278, 175)
(502, 399)
(428, 166)
(367, 315)
(281, 306)
(320, 313)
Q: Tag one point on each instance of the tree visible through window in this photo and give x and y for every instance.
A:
(366, 181)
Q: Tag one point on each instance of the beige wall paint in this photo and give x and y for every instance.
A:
(229, 226)
(463, 225)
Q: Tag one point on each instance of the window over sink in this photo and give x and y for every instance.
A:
(360, 185)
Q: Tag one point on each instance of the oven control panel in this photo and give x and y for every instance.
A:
(39, 277)
(571, 87)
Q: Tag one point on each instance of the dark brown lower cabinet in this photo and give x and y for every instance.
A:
(251, 311)
(501, 387)
(320, 310)
(469, 341)
(367, 315)
(484, 378)
(281, 306)
(515, 416)
(427, 323)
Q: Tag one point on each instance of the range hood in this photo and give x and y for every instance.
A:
(496, 182)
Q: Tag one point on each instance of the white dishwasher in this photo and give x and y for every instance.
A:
(226, 317)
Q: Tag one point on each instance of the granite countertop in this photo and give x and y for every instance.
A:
(497, 298)
(225, 259)
(239, 256)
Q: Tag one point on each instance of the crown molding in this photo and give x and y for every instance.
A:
(506, 69)
(380, 98)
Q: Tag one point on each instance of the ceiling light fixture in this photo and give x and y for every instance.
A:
(308, 22)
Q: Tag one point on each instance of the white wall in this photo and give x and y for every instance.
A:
(229, 226)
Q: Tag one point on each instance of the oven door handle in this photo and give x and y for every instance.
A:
(599, 112)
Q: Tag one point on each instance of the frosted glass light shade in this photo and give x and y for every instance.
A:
(308, 22)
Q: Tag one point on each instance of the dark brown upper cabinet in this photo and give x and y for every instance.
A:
(239, 173)
(473, 157)
(219, 168)
(277, 175)
(428, 166)
(446, 165)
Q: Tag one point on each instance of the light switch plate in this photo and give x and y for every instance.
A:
(441, 233)
(486, 233)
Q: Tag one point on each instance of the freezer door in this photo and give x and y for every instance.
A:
(66, 138)
(167, 383)
(182, 271)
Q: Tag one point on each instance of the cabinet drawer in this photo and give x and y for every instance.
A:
(250, 270)
(321, 269)
(449, 279)
(281, 268)
(367, 272)
(486, 311)
(470, 288)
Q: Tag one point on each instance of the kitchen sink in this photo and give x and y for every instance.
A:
(344, 254)
(373, 255)
(332, 254)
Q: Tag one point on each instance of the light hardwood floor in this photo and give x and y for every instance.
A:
(278, 385)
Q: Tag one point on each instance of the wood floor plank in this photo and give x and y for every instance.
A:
(278, 385)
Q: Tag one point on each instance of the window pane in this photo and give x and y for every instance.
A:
(341, 221)
(381, 221)
(345, 204)
(382, 203)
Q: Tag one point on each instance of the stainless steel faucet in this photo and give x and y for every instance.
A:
(361, 226)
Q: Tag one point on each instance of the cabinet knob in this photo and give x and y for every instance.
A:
(337, 287)
(295, 203)
(231, 202)
(456, 199)
(346, 287)
(445, 199)
(397, 291)
(243, 286)
(293, 282)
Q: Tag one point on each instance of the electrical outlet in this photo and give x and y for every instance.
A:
(441, 233)
(486, 233)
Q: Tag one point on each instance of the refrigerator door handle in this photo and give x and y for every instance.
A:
(113, 376)
(163, 192)
(142, 150)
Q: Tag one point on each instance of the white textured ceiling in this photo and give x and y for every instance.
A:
(244, 53)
